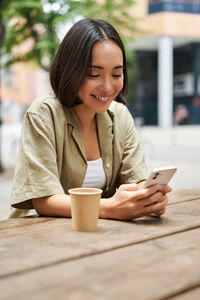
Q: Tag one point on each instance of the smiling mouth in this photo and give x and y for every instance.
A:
(102, 99)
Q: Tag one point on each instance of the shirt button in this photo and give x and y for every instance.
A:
(107, 165)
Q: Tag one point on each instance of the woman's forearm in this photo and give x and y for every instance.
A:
(53, 206)
(59, 206)
(129, 202)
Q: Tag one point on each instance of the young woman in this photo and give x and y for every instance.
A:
(83, 135)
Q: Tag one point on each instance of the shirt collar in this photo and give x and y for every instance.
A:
(104, 120)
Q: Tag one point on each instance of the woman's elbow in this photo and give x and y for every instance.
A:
(39, 206)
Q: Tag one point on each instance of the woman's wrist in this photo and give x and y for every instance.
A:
(105, 208)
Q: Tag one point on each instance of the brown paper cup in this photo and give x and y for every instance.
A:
(85, 208)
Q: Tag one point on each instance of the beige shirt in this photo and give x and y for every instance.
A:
(52, 157)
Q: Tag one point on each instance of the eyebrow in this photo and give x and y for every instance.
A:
(99, 67)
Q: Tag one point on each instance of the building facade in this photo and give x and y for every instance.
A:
(20, 84)
(167, 54)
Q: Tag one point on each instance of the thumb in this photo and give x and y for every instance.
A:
(128, 187)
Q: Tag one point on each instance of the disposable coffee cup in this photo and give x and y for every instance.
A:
(85, 204)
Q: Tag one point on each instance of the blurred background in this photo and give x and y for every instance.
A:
(162, 40)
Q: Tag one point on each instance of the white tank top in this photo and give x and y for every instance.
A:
(95, 176)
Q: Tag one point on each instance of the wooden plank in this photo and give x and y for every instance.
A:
(156, 269)
(54, 241)
(6, 225)
(193, 294)
(183, 195)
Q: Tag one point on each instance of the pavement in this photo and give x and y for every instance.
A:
(5, 190)
(178, 146)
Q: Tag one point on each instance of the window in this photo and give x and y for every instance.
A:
(185, 6)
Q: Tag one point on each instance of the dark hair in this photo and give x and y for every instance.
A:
(71, 63)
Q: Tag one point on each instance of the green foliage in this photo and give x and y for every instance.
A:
(34, 24)
(26, 22)
(116, 12)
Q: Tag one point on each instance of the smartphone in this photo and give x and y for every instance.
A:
(160, 176)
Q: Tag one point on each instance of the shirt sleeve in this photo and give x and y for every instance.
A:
(133, 166)
(36, 173)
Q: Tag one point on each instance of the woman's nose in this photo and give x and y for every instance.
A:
(106, 85)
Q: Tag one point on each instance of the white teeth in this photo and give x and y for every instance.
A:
(102, 98)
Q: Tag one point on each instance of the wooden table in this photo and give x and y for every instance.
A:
(148, 258)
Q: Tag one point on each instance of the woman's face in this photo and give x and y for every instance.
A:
(105, 77)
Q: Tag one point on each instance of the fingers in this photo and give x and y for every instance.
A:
(144, 192)
(155, 198)
(149, 196)
(164, 188)
(139, 195)
(157, 208)
(158, 214)
(155, 205)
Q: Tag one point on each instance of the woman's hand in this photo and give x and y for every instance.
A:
(133, 201)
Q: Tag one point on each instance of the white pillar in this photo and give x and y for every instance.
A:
(165, 81)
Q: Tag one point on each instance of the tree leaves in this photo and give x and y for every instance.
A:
(31, 27)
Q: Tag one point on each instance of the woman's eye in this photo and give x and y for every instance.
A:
(97, 75)
(117, 76)
(93, 75)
